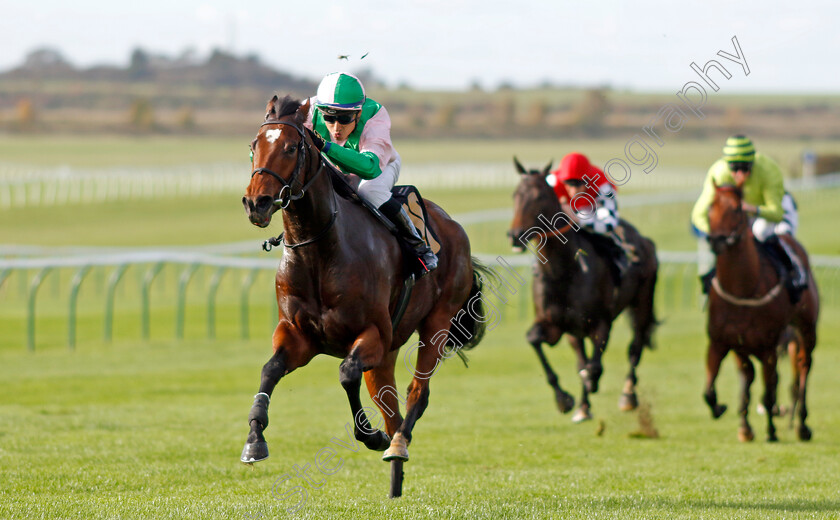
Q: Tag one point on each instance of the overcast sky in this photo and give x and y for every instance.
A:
(451, 44)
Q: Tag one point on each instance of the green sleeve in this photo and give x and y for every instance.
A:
(773, 189)
(363, 164)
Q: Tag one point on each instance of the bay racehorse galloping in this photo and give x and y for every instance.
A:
(338, 284)
(574, 292)
(749, 312)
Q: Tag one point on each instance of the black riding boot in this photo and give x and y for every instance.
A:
(409, 233)
(621, 256)
(706, 280)
(797, 277)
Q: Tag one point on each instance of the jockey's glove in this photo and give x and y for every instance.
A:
(319, 142)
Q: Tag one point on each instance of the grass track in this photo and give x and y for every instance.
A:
(135, 430)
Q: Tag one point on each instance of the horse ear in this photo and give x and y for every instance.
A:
(547, 169)
(302, 112)
(270, 108)
(519, 167)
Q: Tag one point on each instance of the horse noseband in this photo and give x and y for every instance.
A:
(285, 196)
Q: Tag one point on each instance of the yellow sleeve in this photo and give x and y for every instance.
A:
(719, 173)
(772, 188)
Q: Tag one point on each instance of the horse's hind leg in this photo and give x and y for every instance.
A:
(536, 337)
(433, 336)
(290, 352)
(714, 357)
(771, 381)
(365, 354)
(383, 391)
(747, 373)
(803, 365)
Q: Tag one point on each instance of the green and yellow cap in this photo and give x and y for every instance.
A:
(739, 148)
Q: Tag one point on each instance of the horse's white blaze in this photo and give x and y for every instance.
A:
(273, 134)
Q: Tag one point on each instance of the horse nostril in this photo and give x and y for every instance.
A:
(264, 203)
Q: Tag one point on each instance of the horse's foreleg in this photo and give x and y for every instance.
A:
(747, 373)
(291, 355)
(771, 381)
(583, 413)
(714, 357)
(565, 402)
(594, 369)
(365, 354)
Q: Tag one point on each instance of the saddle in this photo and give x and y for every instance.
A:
(409, 197)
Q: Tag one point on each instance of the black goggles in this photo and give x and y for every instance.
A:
(740, 166)
(342, 119)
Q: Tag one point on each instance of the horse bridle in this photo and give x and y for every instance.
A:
(287, 185)
(732, 238)
(284, 197)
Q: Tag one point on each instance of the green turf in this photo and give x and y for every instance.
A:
(153, 430)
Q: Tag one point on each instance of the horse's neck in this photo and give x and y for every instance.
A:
(309, 216)
(739, 267)
(561, 258)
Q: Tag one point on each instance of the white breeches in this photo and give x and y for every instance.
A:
(377, 191)
(763, 229)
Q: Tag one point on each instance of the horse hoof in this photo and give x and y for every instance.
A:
(718, 411)
(379, 441)
(745, 434)
(565, 402)
(254, 452)
(628, 402)
(581, 415)
(804, 433)
(777, 410)
(398, 450)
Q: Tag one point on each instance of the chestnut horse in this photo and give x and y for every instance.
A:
(749, 312)
(574, 292)
(338, 284)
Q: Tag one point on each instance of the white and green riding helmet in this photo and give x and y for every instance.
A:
(339, 91)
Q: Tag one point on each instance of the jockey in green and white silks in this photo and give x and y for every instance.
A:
(356, 133)
(772, 209)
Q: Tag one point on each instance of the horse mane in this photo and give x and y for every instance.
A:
(281, 107)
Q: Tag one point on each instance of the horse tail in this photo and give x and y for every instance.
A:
(469, 329)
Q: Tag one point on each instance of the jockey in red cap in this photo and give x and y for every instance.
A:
(588, 196)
